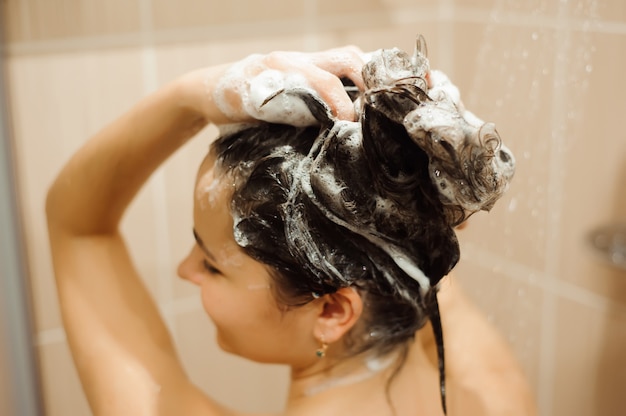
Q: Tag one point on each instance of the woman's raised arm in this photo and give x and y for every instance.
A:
(121, 347)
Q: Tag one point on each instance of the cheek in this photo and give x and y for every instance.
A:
(237, 311)
(213, 301)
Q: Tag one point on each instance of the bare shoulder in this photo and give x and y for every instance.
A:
(483, 375)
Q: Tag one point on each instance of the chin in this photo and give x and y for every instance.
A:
(224, 346)
(229, 348)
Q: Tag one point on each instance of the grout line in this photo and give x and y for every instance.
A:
(25, 19)
(281, 27)
(446, 36)
(149, 69)
(158, 186)
(145, 16)
(474, 15)
(554, 202)
(169, 308)
(559, 108)
(521, 273)
(414, 14)
(162, 233)
(311, 40)
(164, 264)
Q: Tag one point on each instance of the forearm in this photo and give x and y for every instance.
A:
(92, 191)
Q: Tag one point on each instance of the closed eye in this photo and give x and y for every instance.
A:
(209, 268)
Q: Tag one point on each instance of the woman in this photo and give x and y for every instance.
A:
(122, 350)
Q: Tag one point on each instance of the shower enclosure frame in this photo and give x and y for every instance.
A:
(20, 391)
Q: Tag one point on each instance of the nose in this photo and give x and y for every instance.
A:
(187, 271)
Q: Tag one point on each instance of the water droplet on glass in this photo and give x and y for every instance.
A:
(512, 204)
(526, 154)
(534, 36)
(588, 67)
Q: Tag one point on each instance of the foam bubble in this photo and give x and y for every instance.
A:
(244, 90)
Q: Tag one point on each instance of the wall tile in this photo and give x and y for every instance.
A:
(145, 232)
(57, 101)
(401, 4)
(549, 92)
(594, 154)
(198, 13)
(481, 4)
(590, 368)
(180, 170)
(347, 7)
(505, 75)
(536, 8)
(63, 394)
(613, 11)
(395, 35)
(33, 20)
(235, 382)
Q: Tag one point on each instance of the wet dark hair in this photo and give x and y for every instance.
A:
(370, 204)
(279, 223)
(340, 206)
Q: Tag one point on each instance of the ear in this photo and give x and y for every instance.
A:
(338, 313)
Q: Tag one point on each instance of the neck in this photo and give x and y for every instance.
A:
(328, 375)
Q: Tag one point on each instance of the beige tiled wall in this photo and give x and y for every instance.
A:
(549, 73)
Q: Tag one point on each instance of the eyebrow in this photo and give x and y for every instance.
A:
(202, 246)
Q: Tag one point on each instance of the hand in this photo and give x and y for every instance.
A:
(238, 92)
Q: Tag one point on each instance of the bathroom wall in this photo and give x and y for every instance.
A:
(550, 73)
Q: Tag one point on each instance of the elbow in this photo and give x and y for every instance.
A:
(55, 205)
(51, 205)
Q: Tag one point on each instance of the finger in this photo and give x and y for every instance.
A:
(325, 83)
(342, 62)
(332, 92)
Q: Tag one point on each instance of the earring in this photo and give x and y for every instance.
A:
(321, 351)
